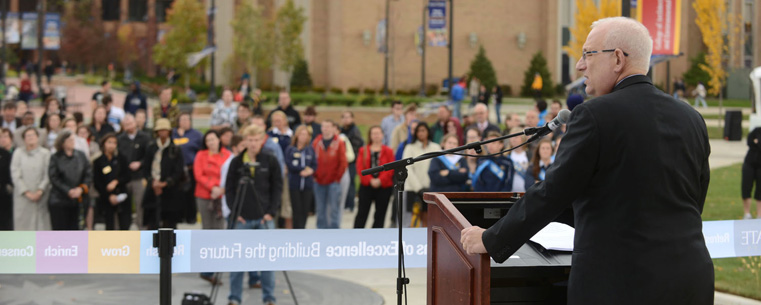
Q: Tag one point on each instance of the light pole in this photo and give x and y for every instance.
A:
(40, 28)
(385, 51)
(450, 43)
(210, 42)
(422, 43)
(4, 58)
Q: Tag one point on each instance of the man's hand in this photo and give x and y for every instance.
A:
(134, 165)
(267, 217)
(113, 200)
(444, 172)
(471, 241)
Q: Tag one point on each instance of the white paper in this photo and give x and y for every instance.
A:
(555, 236)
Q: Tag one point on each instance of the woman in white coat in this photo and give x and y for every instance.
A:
(418, 180)
(29, 171)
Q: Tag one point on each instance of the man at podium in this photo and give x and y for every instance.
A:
(634, 167)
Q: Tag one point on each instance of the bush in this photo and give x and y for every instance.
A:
(184, 99)
(299, 89)
(339, 100)
(431, 89)
(387, 101)
(336, 91)
(353, 91)
(318, 90)
(482, 69)
(368, 91)
(559, 89)
(300, 76)
(368, 101)
(507, 90)
(695, 74)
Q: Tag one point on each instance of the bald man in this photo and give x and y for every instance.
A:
(634, 167)
(481, 121)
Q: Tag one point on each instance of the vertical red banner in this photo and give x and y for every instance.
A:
(663, 18)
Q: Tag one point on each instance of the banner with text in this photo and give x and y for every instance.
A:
(127, 252)
(663, 19)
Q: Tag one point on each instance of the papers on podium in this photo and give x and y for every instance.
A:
(555, 236)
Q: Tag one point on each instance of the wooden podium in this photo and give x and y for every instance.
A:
(531, 276)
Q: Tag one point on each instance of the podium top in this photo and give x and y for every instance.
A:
(532, 255)
(485, 209)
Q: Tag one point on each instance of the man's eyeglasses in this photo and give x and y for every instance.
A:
(585, 54)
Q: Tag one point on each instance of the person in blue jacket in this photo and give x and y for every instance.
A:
(448, 173)
(494, 174)
(302, 163)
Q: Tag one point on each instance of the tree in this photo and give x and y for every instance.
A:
(126, 46)
(289, 23)
(300, 78)
(482, 69)
(255, 39)
(696, 74)
(83, 43)
(538, 65)
(187, 34)
(586, 13)
(712, 23)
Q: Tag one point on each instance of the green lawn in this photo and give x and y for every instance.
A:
(733, 275)
(716, 116)
(716, 132)
(714, 102)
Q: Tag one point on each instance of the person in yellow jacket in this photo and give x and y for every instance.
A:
(537, 85)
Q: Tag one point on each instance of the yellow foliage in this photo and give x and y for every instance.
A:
(586, 13)
(711, 19)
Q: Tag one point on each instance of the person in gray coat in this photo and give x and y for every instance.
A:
(31, 186)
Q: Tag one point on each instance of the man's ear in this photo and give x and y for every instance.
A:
(619, 61)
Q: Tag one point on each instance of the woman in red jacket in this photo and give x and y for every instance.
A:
(376, 187)
(206, 169)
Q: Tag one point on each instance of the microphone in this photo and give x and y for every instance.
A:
(561, 119)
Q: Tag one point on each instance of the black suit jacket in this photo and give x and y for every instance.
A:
(634, 166)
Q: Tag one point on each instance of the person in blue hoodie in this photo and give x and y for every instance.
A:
(189, 141)
(494, 174)
(302, 163)
(448, 173)
(135, 99)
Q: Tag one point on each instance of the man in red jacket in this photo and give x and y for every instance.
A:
(331, 165)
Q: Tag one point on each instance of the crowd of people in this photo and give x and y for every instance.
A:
(246, 171)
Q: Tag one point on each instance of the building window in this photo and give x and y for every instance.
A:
(138, 10)
(27, 6)
(111, 9)
(161, 8)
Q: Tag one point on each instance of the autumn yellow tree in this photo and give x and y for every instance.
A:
(586, 13)
(711, 19)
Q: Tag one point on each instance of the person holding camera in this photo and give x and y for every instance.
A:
(260, 174)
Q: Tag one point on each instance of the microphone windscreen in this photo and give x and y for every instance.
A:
(564, 116)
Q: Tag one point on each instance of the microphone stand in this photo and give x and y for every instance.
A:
(400, 168)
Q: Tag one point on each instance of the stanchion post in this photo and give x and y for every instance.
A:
(165, 240)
